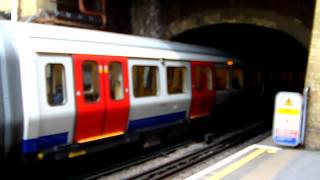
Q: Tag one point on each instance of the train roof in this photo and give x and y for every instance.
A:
(63, 39)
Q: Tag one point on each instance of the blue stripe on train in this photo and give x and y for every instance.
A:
(43, 142)
(156, 120)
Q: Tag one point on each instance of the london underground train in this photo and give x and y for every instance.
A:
(67, 92)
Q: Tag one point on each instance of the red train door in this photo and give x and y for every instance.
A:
(117, 95)
(203, 90)
(89, 89)
(100, 113)
(209, 74)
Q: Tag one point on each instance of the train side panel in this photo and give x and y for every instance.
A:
(151, 106)
(56, 100)
(178, 85)
(30, 93)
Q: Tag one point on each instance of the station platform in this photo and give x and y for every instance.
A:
(265, 160)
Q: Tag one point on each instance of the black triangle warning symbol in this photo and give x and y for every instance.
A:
(288, 102)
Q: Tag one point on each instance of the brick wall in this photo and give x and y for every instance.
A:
(313, 81)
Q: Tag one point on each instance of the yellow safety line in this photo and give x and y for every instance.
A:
(237, 164)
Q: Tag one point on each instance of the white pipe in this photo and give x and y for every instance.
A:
(306, 93)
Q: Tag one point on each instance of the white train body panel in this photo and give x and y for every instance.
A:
(163, 107)
(56, 120)
(40, 120)
(181, 101)
(29, 85)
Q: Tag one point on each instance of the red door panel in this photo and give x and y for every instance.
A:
(89, 104)
(210, 91)
(100, 113)
(203, 92)
(117, 95)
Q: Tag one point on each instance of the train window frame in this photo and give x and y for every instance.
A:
(119, 89)
(198, 86)
(50, 94)
(209, 78)
(134, 82)
(183, 85)
(226, 79)
(240, 79)
(85, 93)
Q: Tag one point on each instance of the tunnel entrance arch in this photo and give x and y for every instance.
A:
(292, 26)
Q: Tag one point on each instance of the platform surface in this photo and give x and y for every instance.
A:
(265, 161)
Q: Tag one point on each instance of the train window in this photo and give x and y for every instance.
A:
(145, 81)
(55, 82)
(198, 85)
(222, 79)
(237, 79)
(116, 81)
(208, 73)
(176, 80)
(90, 81)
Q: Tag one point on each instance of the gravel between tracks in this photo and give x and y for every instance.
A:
(179, 153)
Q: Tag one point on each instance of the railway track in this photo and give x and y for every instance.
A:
(132, 162)
(172, 167)
(182, 163)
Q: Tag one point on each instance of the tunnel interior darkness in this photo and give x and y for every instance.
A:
(264, 49)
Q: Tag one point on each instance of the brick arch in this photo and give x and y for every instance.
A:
(289, 25)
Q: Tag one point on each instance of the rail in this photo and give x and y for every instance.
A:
(216, 146)
(132, 162)
(182, 163)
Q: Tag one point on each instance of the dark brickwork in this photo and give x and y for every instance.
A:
(147, 18)
(168, 18)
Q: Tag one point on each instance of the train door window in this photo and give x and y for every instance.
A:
(145, 81)
(55, 83)
(198, 82)
(176, 80)
(90, 81)
(222, 79)
(208, 73)
(116, 81)
(237, 79)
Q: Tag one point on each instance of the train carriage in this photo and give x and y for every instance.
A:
(66, 87)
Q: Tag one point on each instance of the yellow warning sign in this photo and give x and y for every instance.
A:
(287, 118)
(288, 102)
(288, 111)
